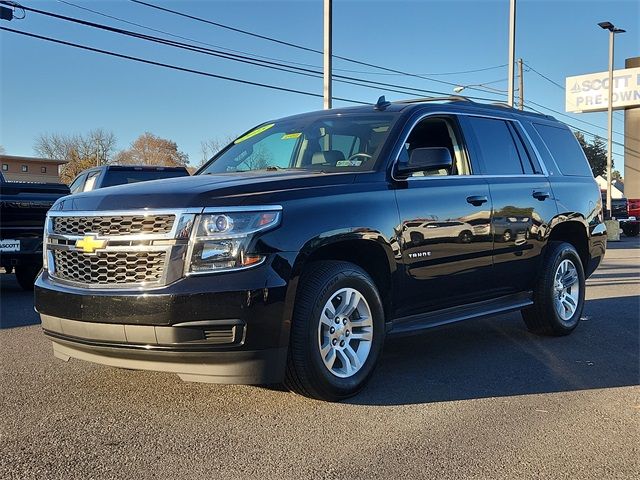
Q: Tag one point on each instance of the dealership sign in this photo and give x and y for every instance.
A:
(588, 93)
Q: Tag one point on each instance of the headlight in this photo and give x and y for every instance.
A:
(220, 240)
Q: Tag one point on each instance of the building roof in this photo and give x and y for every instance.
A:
(16, 158)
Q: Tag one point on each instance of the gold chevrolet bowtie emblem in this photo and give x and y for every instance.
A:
(90, 244)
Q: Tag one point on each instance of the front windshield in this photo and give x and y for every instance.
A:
(327, 143)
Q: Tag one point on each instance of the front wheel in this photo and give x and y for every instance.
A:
(337, 332)
(559, 293)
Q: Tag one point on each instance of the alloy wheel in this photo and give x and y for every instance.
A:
(345, 332)
(566, 290)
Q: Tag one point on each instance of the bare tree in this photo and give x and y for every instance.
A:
(212, 146)
(149, 149)
(80, 151)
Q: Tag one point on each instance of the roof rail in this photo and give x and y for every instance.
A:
(502, 104)
(450, 98)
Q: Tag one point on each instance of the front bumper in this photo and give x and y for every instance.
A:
(225, 328)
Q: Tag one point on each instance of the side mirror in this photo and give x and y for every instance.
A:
(429, 158)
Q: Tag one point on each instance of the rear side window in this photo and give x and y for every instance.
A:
(121, 177)
(565, 150)
(91, 181)
(497, 147)
(77, 184)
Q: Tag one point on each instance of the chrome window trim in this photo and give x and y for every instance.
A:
(396, 153)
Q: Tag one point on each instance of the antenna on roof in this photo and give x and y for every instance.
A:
(381, 104)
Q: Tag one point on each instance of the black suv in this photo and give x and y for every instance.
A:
(296, 250)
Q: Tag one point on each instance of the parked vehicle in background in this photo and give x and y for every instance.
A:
(286, 257)
(112, 175)
(627, 212)
(619, 206)
(631, 226)
(23, 208)
(633, 207)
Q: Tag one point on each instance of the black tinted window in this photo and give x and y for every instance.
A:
(496, 146)
(77, 183)
(565, 150)
(120, 177)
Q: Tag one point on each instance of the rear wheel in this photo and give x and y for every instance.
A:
(26, 275)
(337, 332)
(631, 229)
(559, 293)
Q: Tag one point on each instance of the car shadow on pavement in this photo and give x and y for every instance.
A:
(16, 305)
(498, 357)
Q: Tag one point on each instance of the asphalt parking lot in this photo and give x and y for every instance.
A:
(483, 399)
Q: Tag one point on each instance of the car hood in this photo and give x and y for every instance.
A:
(246, 188)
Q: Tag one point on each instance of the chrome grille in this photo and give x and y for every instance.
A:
(109, 267)
(113, 225)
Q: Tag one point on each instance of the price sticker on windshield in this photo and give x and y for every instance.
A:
(253, 133)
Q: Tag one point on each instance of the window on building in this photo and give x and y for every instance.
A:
(43, 169)
(24, 169)
(5, 167)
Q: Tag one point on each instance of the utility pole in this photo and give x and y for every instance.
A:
(520, 85)
(327, 90)
(512, 50)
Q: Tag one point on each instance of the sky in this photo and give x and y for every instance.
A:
(51, 88)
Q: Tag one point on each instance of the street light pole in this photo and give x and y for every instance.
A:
(610, 124)
(612, 32)
(512, 50)
(327, 90)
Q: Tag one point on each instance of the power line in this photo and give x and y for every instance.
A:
(249, 60)
(550, 80)
(175, 67)
(544, 76)
(432, 74)
(293, 45)
(586, 131)
(96, 12)
(573, 118)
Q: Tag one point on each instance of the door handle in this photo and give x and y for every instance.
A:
(542, 196)
(477, 200)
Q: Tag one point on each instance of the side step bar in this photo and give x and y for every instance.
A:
(416, 323)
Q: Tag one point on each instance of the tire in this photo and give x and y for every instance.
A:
(506, 236)
(26, 275)
(465, 236)
(631, 230)
(323, 286)
(550, 315)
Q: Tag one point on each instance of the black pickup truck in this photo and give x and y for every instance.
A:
(112, 175)
(23, 208)
(296, 250)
